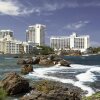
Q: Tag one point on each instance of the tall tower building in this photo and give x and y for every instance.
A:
(4, 33)
(36, 34)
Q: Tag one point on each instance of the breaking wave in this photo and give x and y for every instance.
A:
(83, 73)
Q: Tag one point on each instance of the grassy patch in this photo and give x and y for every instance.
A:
(44, 86)
(93, 97)
(3, 94)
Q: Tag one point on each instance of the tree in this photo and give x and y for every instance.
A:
(45, 50)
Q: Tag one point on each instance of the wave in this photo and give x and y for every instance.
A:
(87, 76)
(8, 58)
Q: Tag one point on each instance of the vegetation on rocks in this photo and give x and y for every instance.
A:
(48, 90)
(3, 94)
(45, 50)
(93, 97)
(45, 86)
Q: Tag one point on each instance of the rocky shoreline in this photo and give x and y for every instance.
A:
(49, 90)
(15, 84)
(41, 60)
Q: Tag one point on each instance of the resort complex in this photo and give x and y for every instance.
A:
(35, 36)
(72, 42)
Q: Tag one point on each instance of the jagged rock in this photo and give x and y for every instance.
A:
(21, 62)
(29, 61)
(52, 91)
(64, 63)
(14, 84)
(46, 62)
(36, 60)
(25, 69)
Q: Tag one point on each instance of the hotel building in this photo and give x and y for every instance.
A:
(72, 42)
(36, 34)
(4, 33)
(9, 45)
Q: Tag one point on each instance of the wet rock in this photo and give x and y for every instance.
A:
(36, 60)
(64, 63)
(46, 62)
(14, 84)
(25, 69)
(21, 62)
(29, 61)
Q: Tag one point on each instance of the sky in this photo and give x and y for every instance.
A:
(61, 17)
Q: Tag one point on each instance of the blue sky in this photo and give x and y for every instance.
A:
(61, 17)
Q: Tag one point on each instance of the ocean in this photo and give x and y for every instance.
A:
(84, 72)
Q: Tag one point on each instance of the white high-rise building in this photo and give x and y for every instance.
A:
(4, 33)
(36, 34)
(72, 42)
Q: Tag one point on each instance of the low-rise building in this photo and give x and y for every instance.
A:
(9, 45)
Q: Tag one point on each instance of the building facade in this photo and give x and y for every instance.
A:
(72, 42)
(9, 45)
(4, 33)
(36, 34)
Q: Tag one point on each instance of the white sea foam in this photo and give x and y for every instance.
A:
(88, 76)
(85, 88)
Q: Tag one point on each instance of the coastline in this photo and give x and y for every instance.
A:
(69, 85)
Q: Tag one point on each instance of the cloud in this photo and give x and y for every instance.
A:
(77, 25)
(14, 8)
(80, 3)
(53, 7)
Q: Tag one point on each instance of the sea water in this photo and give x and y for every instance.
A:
(84, 72)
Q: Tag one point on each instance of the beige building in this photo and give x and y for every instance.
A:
(4, 33)
(8, 45)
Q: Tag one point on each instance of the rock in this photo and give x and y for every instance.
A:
(25, 69)
(64, 63)
(29, 61)
(46, 62)
(14, 84)
(45, 90)
(21, 62)
(36, 60)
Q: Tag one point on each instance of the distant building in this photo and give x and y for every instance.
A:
(4, 33)
(72, 42)
(36, 34)
(9, 45)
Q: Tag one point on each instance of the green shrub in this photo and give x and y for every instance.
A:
(3, 94)
(93, 97)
